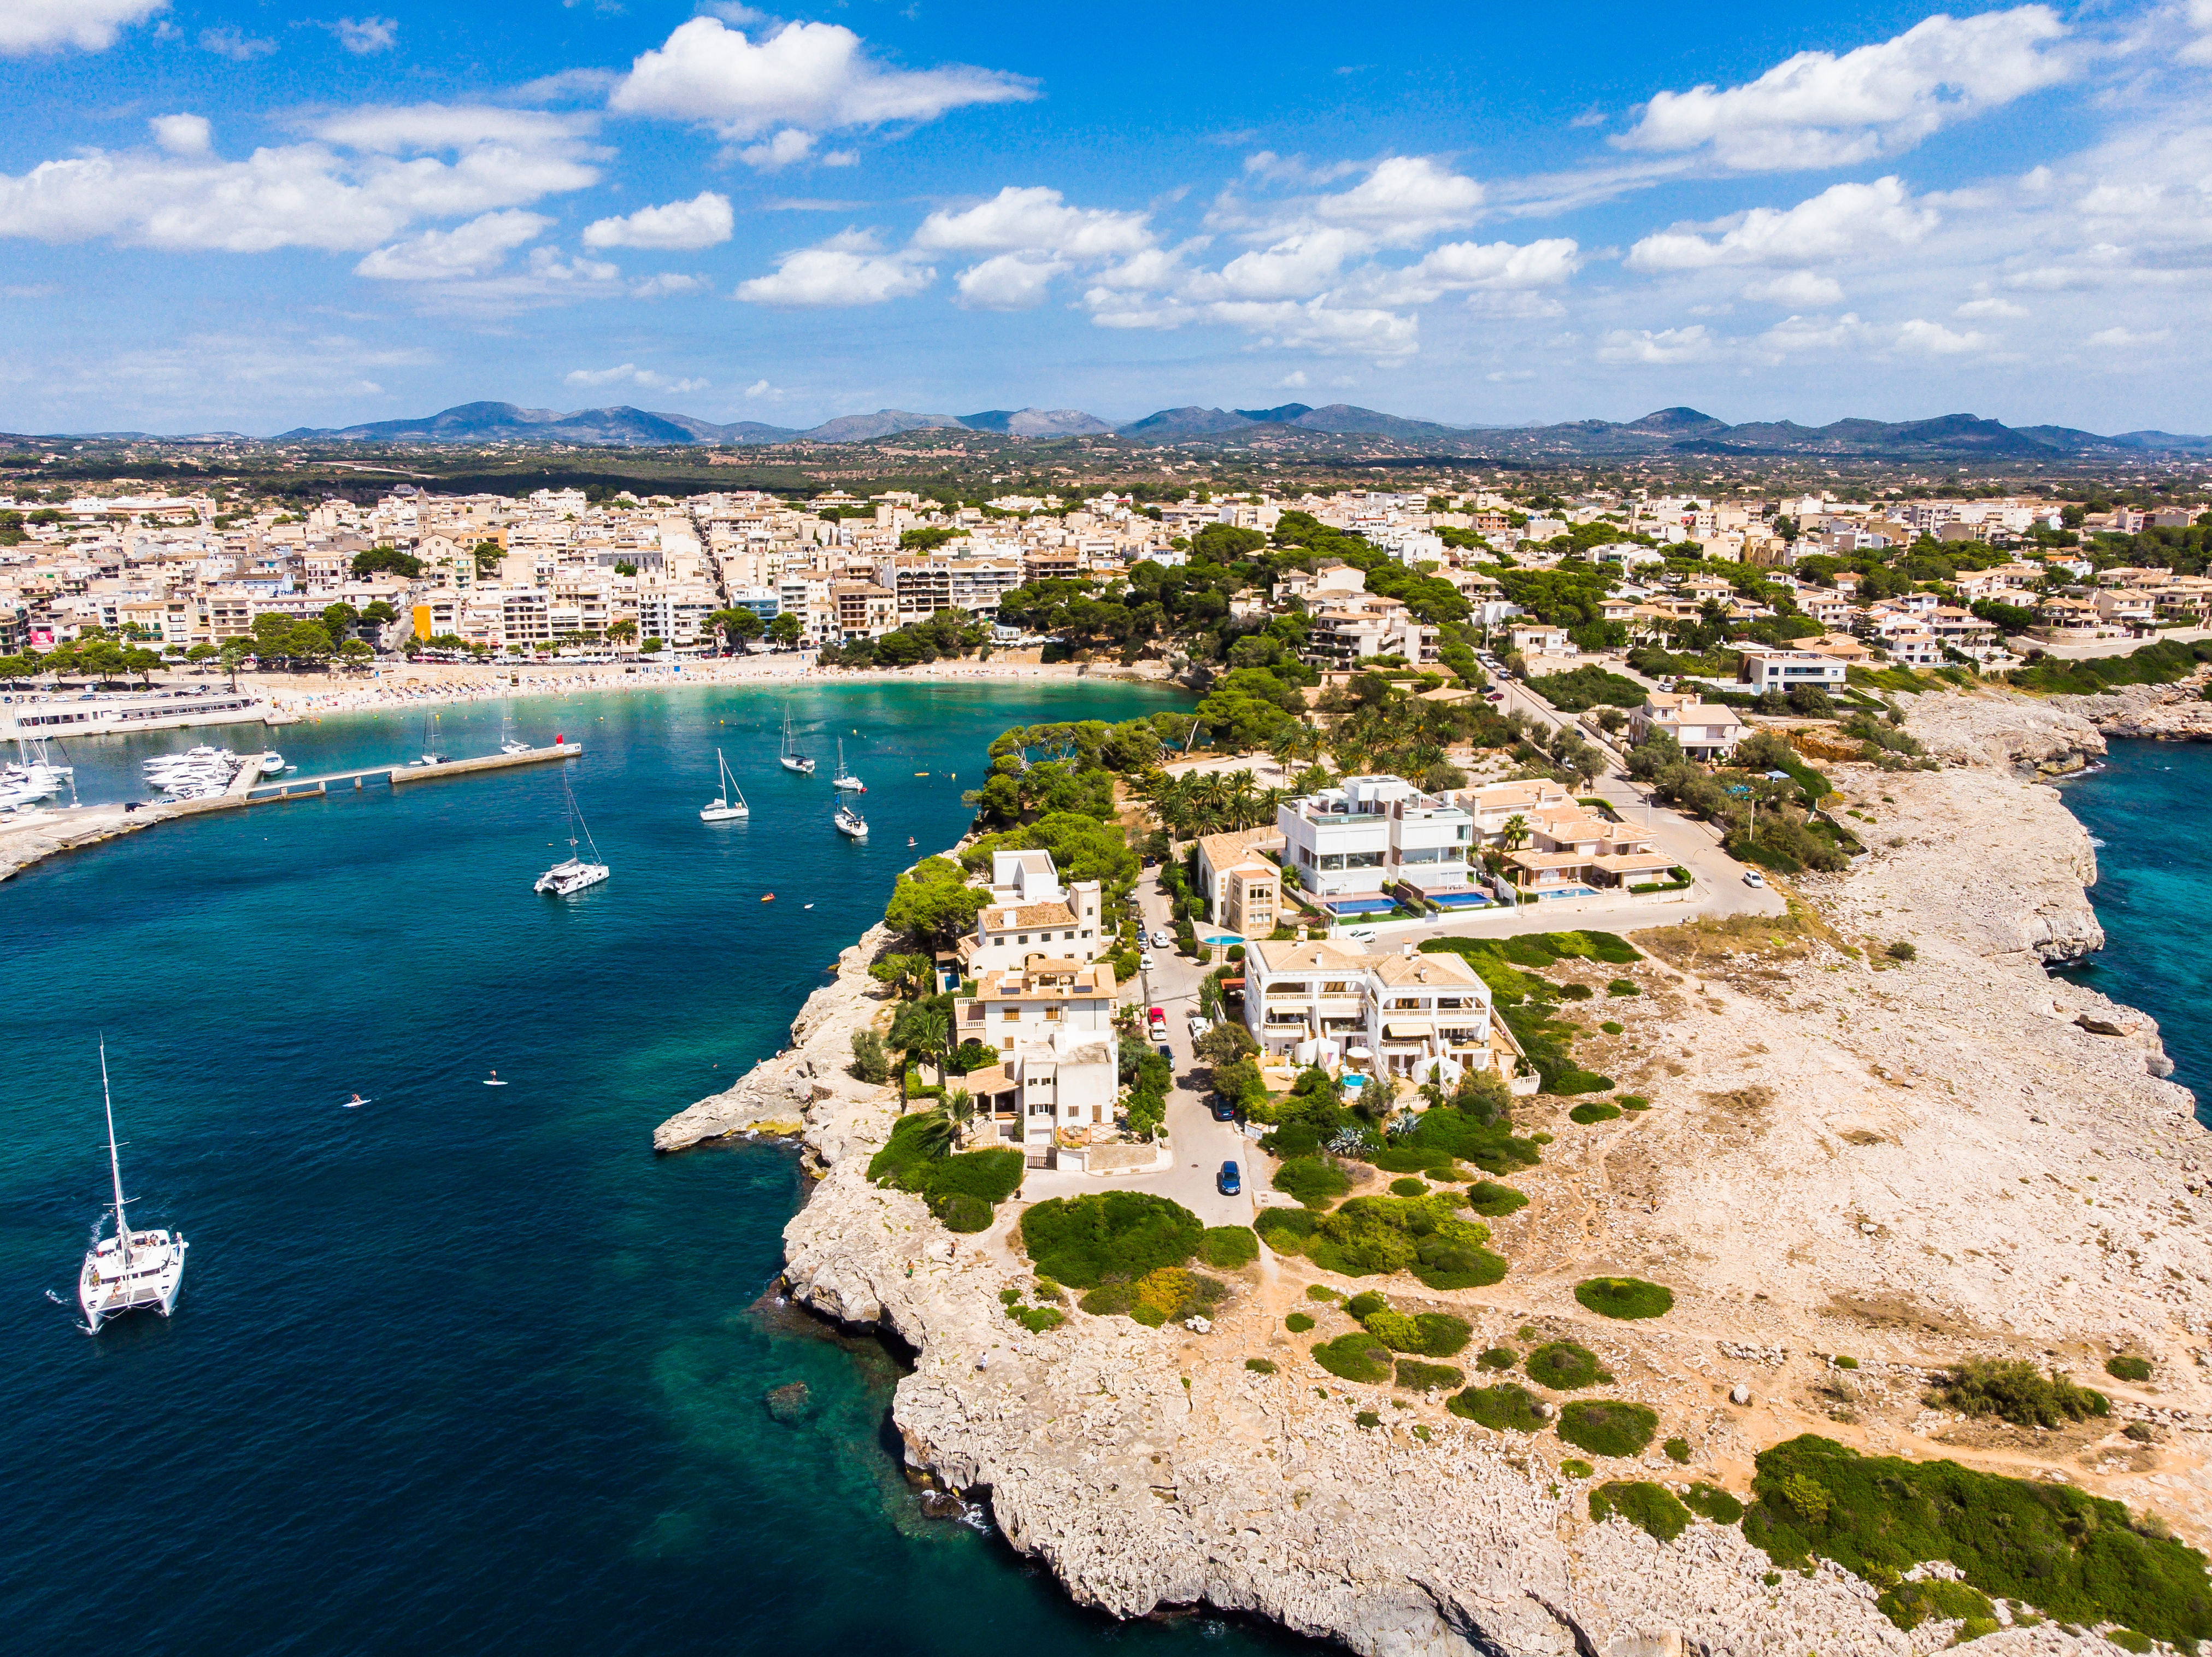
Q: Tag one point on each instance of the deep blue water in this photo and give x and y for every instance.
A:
(468, 1369)
(2154, 894)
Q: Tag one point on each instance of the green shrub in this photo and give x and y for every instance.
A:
(871, 1062)
(1084, 1241)
(1611, 1028)
(1315, 1181)
(1607, 1427)
(1565, 1366)
(1575, 1467)
(1260, 1366)
(959, 1212)
(2014, 1390)
(1493, 1201)
(1355, 1357)
(1652, 1508)
(1714, 1503)
(1228, 1248)
(1322, 1292)
(1499, 1357)
(1901, 951)
(1366, 1304)
(1037, 1318)
(1575, 992)
(1678, 1451)
(1367, 1418)
(1285, 1230)
(1408, 1188)
(1298, 1323)
(1625, 1297)
(961, 1189)
(1594, 1110)
(1431, 1334)
(1169, 1294)
(1633, 1102)
(1416, 1376)
(1109, 1299)
(1842, 1362)
(1909, 1605)
(2073, 1556)
(1369, 1236)
(1623, 987)
(2128, 1367)
(1505, 1407)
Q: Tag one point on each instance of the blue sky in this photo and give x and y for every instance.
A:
(257, 215)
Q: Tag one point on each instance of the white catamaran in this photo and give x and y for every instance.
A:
(132, 1268)
(565, 878)
(845, 779)
(793, 759)
(728, 806)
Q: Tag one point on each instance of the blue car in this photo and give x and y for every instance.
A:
(1223, 1109)
(1228, 1181)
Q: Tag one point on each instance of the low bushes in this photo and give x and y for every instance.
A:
(1505, 1407)
(2070, 1554)
(1911, 1604)
(1493, 1201)
(1260, 1366)
(1714, 1503)
(1652, 1508)
(1623, 987)
(1565, 1366)
(963, 1188)
(1298, 1322)
(1594, 1110)
(1497, 1357)
(1607, 1427)
(1228, 1248)
(2017, 1390)
(2128, 1367)
(1625, 1297)
(1409, 1188)
(1168, 1294)
(1315, 1181)
(1678, 1451)
(1084, 1241)
(1416, 1376)
(1431, 1334)
(1355, 1357)
(1369, 1236)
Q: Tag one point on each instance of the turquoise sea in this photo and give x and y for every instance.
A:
(468, 1370)
(2154, 891)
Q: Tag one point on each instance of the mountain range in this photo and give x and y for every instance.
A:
(1674, 431)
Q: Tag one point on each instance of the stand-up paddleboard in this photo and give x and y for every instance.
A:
(357, 1101)
(493, 1081)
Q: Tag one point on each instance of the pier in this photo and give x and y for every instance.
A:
(261, 792)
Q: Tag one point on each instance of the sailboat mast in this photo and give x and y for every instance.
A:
(114, 1160)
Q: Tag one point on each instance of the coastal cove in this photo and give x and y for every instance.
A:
(469, 1369)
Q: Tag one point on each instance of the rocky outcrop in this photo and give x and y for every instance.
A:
(2169, 713)
(2004, 731)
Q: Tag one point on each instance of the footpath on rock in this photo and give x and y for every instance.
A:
(1873, 1141)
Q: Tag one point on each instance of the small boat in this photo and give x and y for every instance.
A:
(720, 808)
(565, 879)
(507, 742)
(845, 779)
(809, 905)
(132, 1268)
(793, 759)
(849, 822)
(430, 756)
(355, 1102)
(274, 764)
(769, 898)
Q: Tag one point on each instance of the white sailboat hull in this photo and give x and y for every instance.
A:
(803, 767)
(108, 1286)
(721, 812)
(563, 879)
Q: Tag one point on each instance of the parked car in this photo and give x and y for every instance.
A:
(1223, 1109)
(1361, 934)
(1144, 961)
(1199, 1024)
(1166, 1052)
(1157, 1021)
(1162, 938)
(1752, 877)
(1229, 1182)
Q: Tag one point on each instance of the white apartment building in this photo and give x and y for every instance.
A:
(1351, 845)
(1767, 669)
(1705, 731)
(1032, 913)
(1052, 1022)
(1399, 1014)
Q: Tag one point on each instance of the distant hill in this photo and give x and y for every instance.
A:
(1950, 438)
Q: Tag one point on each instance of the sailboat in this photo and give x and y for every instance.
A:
(430, 756)
(793, 759)
(563, 879)
(721, 809)
(848, 821)
(845, 779)
(132, 1268)
(507, 742)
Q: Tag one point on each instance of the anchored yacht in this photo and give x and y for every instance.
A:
(131, 1269)
(793, 759)
(849, 822)
(565, 878)
(728, 806)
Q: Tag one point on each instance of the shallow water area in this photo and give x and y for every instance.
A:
(467, 1368)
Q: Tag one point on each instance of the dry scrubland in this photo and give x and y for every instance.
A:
(1848, 1154)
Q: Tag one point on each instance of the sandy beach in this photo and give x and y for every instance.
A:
(408, 684)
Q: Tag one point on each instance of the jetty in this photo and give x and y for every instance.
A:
(259, 792)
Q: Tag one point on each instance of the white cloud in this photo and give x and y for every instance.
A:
(1844, 221)
(1294, 381)
(28, 26)
(1936, 340)
(630, 374)
(182, 134)
(1035, 220)
(1009, 281)
(546, 278)
(811, 75)
(1665, 345)
(762, 388)
(310, 194)
(2120, 338)
(1301, 264)
(701, 222)
(847, 270)
(1405, 200)
(481, 244)
(784, 150)
(1797, 288)
(1319, 326)
(367, 35)
(1798, 334)
(1469, 266)
(235, 44)
(667, 284)
(1975, 308)
(1818, 109)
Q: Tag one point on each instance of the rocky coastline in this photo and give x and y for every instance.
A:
(1908, 1154)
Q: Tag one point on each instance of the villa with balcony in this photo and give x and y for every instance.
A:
(1359, 848)
(1402, 1015)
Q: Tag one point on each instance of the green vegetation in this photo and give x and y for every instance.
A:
(1431, 1334)
(2017, 1390)
(1594, 1110)
(1505, 1407)
(1911, 1604)
(1678, 1451)
(1409, 1187)
(1298, 1322)
(871, 1062)
(2162, 663)
(1622, 987)
(1612, 1028)
(1588, 687)
(1493, 1201)
(1367, 1418)
(1037, 1318)
(1607, 1427)
(1322, 1292)
(1713, 1503)
(1633, 1102)
(1416, 1376)
(1228, 1248)
(2070, 1554)
(1085, 1241)
(1575, 1467)
(2128, 1367)
(962, 1189)
(1260, 1366)
(1475, 1124)
(1497, 1357)
(1652, 1508)
(1165, 1295)
(1315, 1181)
(1525, 1001)
(1355, 1357)
(1371, 1236)
(1565, 1366)
(933, 905)
(1625, 1297)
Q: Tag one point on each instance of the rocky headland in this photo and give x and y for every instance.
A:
(1878, 1129)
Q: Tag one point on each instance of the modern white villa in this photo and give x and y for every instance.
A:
(1399, 1014)
(1032, 913)
(1352, 847)
(1052, 1022)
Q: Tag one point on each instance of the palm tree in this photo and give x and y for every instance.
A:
(1516, 831)
(928, 1035)
(1241, 801)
